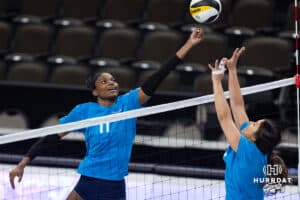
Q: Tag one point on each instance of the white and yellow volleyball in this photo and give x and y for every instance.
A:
(205, 11)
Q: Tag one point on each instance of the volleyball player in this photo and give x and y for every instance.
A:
(108, 146)
(251, 145)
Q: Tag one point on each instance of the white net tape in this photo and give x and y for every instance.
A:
(29, 134)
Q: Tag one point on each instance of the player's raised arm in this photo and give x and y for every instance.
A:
(236, 99)
(151, 84)
(222, 108)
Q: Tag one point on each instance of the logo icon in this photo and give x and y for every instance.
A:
(272, 170)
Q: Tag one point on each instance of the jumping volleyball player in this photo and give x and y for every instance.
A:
(251, 145)
(108, 146)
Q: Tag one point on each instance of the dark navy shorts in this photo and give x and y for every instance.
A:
(98, 189)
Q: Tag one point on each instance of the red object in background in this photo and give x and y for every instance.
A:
(297, 80)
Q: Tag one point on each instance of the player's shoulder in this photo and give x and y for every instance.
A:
(130, 93)
(86, 105)
(249, 146)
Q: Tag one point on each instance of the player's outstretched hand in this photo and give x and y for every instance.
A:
(196, 36)
(16, 172)
(232, 62)
(218, 69)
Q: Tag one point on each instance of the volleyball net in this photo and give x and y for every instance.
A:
(182, 159)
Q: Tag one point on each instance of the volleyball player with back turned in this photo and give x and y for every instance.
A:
(108, 146)
(251, 145)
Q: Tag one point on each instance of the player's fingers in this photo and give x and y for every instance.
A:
(11, 180)
(216, 63)
(235, 53)
(201, 33)
(241, 50)
(20, 178)
(197, 33)
(210, 67)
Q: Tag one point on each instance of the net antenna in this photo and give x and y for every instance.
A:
(297, 83)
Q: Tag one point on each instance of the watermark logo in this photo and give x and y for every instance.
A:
(272, 170)
(273, 181)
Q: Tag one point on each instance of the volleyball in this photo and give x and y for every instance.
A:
(205, 11)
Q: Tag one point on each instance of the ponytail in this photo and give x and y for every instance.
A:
(276, 173)
(276, 160)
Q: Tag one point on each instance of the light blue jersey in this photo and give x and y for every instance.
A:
(242, 168)
(108, 146)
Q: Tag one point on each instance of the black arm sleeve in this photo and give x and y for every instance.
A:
(38, 146)
(152, 83)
